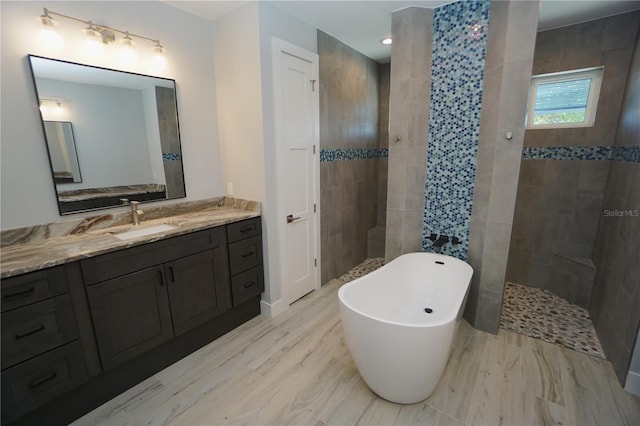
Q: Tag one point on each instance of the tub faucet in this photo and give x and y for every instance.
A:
(442, 240)
(135, 211)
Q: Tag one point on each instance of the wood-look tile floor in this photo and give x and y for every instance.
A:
(295, 369)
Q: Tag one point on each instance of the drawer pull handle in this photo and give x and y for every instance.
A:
(38, 329)
(160, 280)
(173, 275)
(246, 229)
(249, 284)
(18, 293)
(42, 380)
(249, 253)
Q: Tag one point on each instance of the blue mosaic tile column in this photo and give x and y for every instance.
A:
(459, 50)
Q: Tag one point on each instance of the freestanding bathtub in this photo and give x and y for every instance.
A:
(400, 321)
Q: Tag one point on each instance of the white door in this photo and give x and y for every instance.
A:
(299, 171)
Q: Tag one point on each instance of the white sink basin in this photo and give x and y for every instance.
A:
(135, 233)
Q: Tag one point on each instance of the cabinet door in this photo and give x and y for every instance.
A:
(199, 288)
(130, 314)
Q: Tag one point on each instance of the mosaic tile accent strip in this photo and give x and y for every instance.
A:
(541, 314)
(369, 265)
(338, 154)
(629, 153)
(568, 153)
(171, 156)
(459, 50)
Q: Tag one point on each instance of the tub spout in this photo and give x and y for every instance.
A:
(442, 240)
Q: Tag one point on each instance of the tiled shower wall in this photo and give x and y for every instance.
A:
(349, 154)
(170, 141)
(459, 48)
(510, 44)
(410, 80)
(615, 303)
(564, 171)
(383, 141)
(509, 40)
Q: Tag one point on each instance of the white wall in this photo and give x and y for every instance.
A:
(26, 190)
(236, 57)
(244, 79)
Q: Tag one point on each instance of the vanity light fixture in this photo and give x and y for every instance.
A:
(47, 101)
(158, 55)
(47, 20)
(103, 34)
(48, 33)
(386, 40)
(128, 53)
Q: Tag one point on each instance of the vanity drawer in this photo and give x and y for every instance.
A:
(37, 381)
(246, 285)
(244, 229)
(33, 287)
(37, 328)
(122, 262)
(245, 254)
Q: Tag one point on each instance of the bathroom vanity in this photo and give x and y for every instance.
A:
(91, 315)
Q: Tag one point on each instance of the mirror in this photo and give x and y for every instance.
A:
(62, 152)
(109, 134)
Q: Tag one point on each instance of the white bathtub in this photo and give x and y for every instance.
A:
(401, 350)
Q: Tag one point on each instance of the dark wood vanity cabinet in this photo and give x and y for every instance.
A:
(141, 309)
(130, 315)
(245, 259)
(76, 335)
(198, 288)
(42, 356)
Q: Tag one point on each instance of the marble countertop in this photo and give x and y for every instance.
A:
(32, 256)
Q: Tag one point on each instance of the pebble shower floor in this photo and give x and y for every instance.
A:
(541, 314)
(530, 311)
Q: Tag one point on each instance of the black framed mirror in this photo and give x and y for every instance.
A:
(124, 129)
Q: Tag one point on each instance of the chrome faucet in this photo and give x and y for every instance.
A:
(135, 211)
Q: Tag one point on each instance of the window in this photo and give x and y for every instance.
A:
(564, 99)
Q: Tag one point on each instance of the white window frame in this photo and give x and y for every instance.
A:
(594, 73)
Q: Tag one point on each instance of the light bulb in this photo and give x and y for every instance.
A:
(50, 38)
(128, 54)
(93, 43)
(159, 60)
(386, 40)
(92, 33)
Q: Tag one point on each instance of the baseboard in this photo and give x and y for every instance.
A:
(271, 310)
(633, 383)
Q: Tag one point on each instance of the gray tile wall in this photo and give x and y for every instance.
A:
(559, 201)
(615, 302)
(410, 80)
(170, 140)
(383, 141)
(510, 45)
(349, 97)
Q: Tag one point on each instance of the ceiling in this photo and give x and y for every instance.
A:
(362, 24)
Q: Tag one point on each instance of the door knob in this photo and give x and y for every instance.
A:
(290, 218)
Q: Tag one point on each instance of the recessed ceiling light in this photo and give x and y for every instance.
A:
(386, 40)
